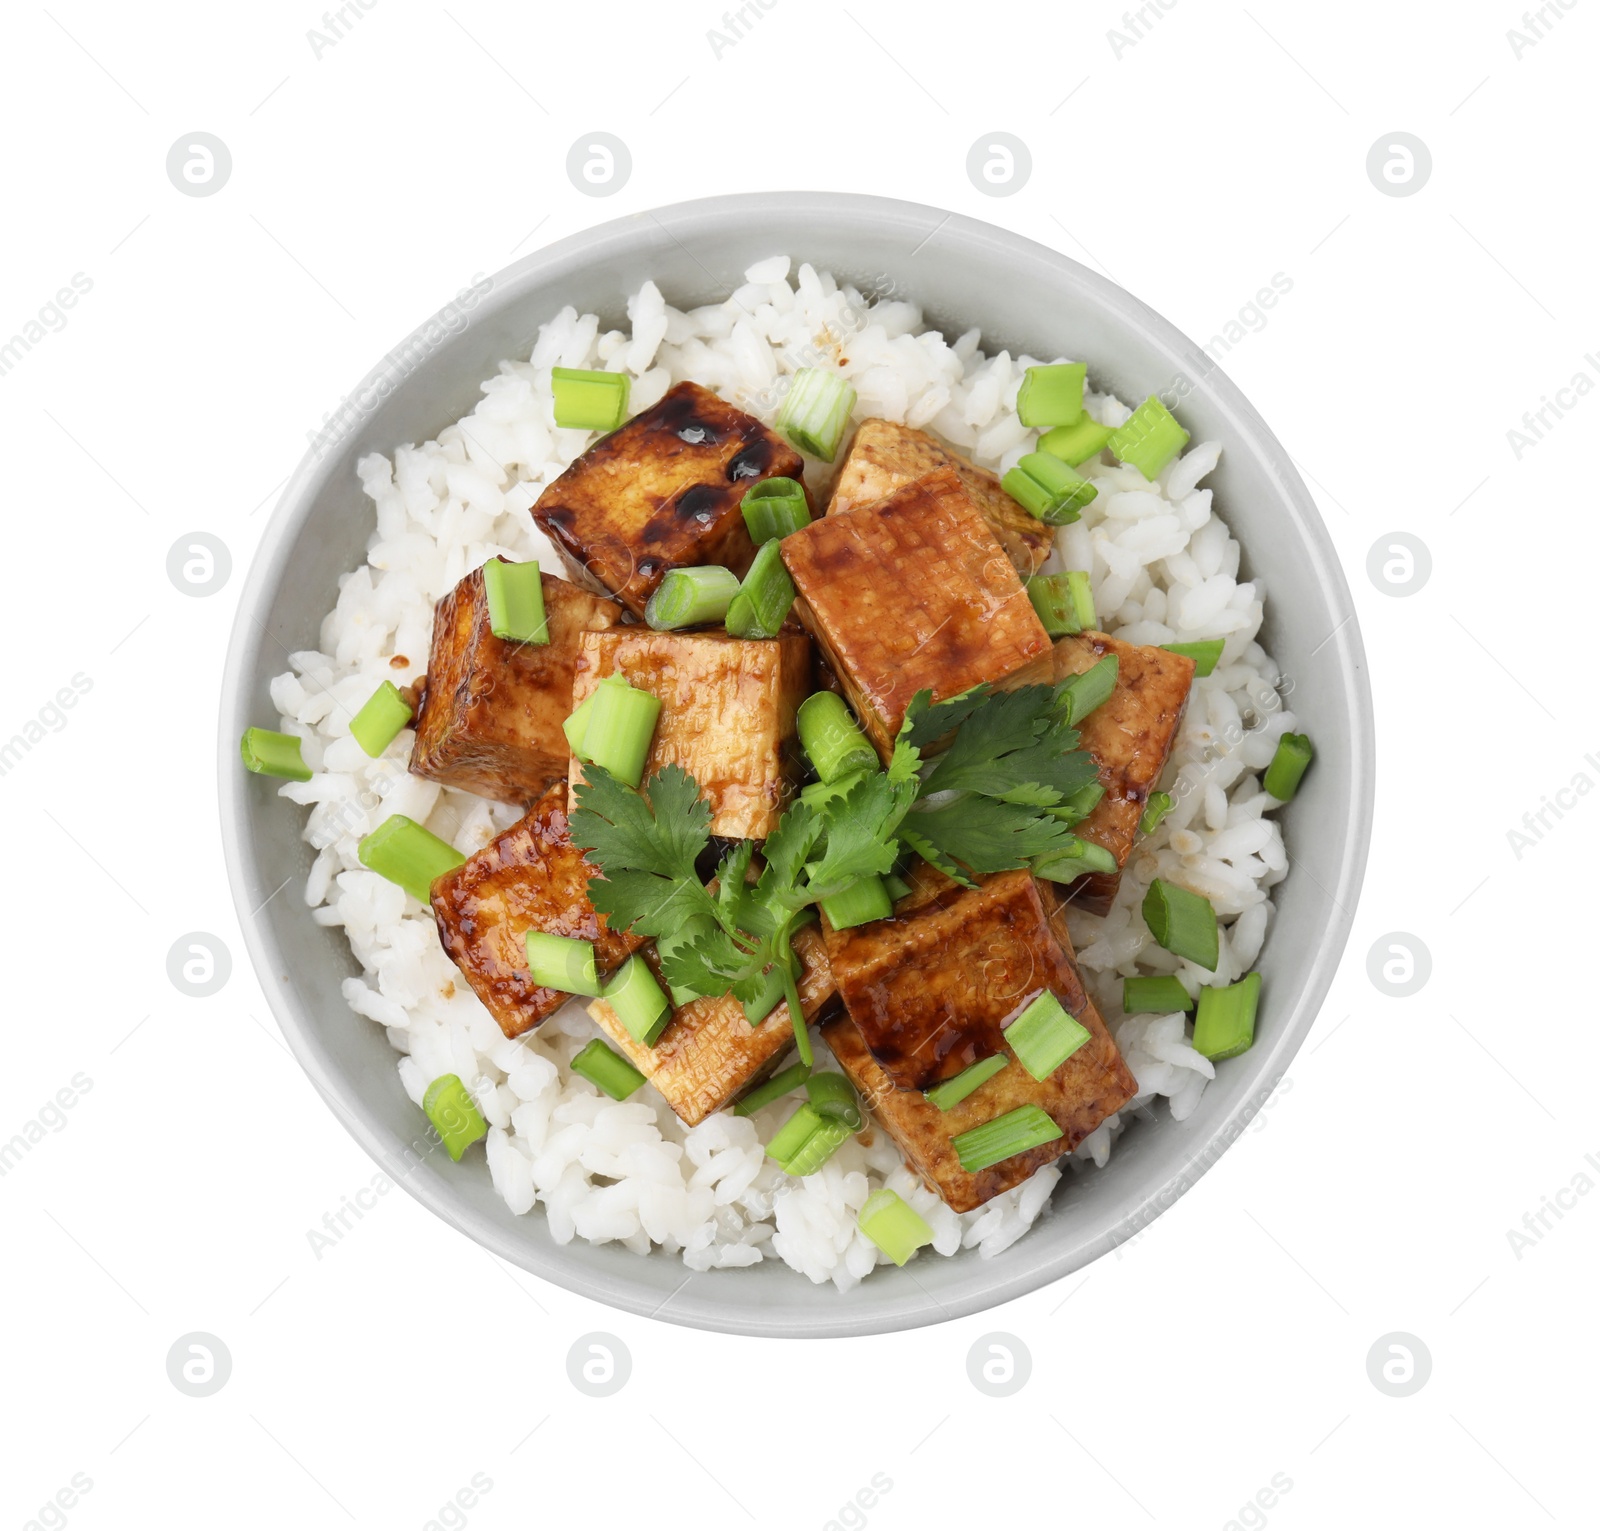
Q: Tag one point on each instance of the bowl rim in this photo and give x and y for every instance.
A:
(1029, 1266)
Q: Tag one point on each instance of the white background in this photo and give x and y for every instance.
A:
(1171, 1381)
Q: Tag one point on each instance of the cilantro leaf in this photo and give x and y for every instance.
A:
(927, 721)
(984, 834)
(785, 851)
(1013, 739)
(862, 829)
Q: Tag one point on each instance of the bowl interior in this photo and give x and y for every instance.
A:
(962, 273)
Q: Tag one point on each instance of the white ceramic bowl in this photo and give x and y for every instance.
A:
(963, 273)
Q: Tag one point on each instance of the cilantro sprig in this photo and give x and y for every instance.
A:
(982, 805)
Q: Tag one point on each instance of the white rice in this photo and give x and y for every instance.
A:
(1164, 569)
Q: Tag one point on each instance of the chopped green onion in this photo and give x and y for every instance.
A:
(577, 725)
(1183, 922)
(1014, 1133)
(1156, 807)
(774, 1089)
(832, 1099)
(774, 508)
(764, 597)
(1076, 808)
(1225, 1024)
(609, 1070)
(454, 1113)
(684, 936)
(1075, 858)
(620, 729)
(818, 1148)
(1154, 996)
(816, 411)
(1055, 604)
(774, 989)
(515, 593)
(831, 739)
(1289, 763)
(1149, 438)
(1205, 654)
(380, 720)
(821, 792)
(1076, 444)
(636, 997)
(589, 401)
(562, 963)
(690, 597)
(1083, 693)
(1046, 487)
(1044, 1036)
(274, 754)
(865, 899)
(406, 853)
(790, 1138)
(897, 1228)
(1082, 594)
(896, 886)
(955, 1090)
(1052, 395)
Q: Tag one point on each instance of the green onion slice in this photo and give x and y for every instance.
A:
(1083, 693)
(896, 886)
(1079, 805)
(608, 1070)
(620, 729)
(273, 754)
(1205, 654)
(454, 1113)
(764, 597)
(515, 593)
(955, 1090)
(406, 853)
(562, 963)
(1076, 444)
(832, 1099)
(589, 401)
(816, 411)
(774, 990)
(1289, 762)
(1225, 1023)
(576, 726)
(774, 1089)
(1183, 922)
(774, 508)
(1156, 807)
(1076, 858)
(897, 1228)
(380, 720)
(865, 899)
(1046, 487)
(1055, 604)
(829, 735)
(788, 1140)
(818, 1148)
(1014, 1133)
(636, 997)
(691, 597)
(1154, 996)
(1149, 438)
(820, 793)
(1052, 395)
(1044, 1036)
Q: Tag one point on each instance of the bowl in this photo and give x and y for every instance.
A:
(963, 273)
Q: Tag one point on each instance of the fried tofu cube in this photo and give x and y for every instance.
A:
(885, 456)
(531, 877)
(911, 593)
(727, 714)
(663, 492)
(492, 709)
(709, 1053)
(1130, 735)
(926, 994)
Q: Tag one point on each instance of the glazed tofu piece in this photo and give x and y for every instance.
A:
(709, 1053)
(1130, 735)
(727, 714)
(884, 457)
(529, 878)
(662, 492)
(981, 956)
(913, 592)
(492, 710)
